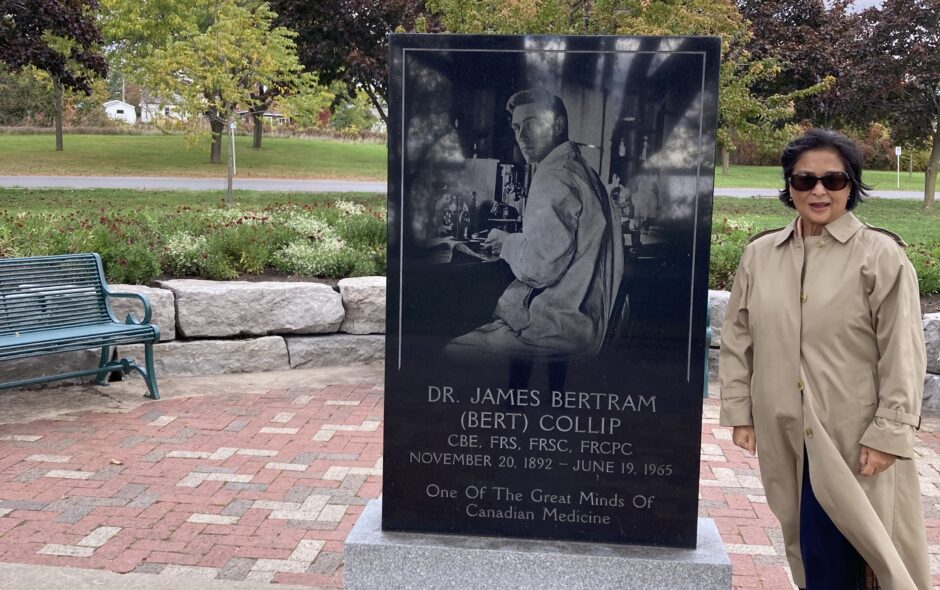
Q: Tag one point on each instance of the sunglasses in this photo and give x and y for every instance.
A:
(832, 181)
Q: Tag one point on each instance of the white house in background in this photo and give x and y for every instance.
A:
(273, 117)
(149, 111)
(120, 111)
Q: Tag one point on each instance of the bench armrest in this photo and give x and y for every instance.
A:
(131, 317)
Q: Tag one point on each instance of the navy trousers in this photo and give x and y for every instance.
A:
(830, 561)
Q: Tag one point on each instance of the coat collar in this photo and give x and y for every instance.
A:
(842, 229)
(559, 152)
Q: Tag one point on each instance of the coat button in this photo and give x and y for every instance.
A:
(820, 244)
(809, 433)
(799, 385)
(803, 297)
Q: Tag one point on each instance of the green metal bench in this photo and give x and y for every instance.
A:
(51, 304)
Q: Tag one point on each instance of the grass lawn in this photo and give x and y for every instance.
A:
(172, 155)
(279, 157)
(735, 220)
(770, 177)
(904, 217)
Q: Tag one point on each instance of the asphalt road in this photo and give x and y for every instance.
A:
(296, 185)
(181, 183)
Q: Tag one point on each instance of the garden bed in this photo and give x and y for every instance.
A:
(145, 235)
(141, 239)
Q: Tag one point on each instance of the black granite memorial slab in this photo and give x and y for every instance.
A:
(549, 223)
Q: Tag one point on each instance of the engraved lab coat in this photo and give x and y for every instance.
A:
(831, 361)
(568, 261)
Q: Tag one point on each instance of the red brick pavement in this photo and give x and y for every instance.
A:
(266, 487)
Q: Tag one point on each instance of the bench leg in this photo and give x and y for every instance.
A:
(151, 376)
(102, 377)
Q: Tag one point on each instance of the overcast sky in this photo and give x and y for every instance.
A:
(863, 4)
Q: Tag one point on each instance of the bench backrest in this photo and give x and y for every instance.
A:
(46, 292)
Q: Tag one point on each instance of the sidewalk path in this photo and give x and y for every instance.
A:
(263, 486)
(298, 185)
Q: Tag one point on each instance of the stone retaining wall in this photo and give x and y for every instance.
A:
(216, 327)
(718, 303)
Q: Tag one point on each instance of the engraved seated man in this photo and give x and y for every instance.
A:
(567, 260)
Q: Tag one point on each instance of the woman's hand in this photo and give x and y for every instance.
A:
(744, 437)
(873, 462)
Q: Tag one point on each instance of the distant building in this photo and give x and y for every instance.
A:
(275, 118)
(120, 111)
(149, 111)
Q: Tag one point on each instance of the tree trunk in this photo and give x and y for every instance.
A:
(376, 103)
(258, 120)
(57, 96)
(218, 128)
(930, 177)
(725, 160)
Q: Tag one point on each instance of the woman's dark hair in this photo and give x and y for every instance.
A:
(816, 139)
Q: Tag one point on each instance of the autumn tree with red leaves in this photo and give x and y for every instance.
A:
(803, 38)
(895, 76)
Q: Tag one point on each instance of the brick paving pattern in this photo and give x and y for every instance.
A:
(266, 487)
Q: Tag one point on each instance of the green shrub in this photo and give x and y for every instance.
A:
(248, 248)
(308, 226)
(134, 264)
(926, 261)
(729, 236)
(185, 254)
(363, 230)
(8, 245)
(327, 258)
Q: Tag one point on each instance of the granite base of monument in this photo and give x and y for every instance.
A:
(377, 559)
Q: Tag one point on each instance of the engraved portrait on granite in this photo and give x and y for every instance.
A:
(549, 215)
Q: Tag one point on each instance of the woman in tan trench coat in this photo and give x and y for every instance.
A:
(822, 368)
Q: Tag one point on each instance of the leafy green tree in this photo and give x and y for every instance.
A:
(306, 109)
(209, 56)
(295, 93)
(25, 99)
(59, 37)
(740, 109)
(352, 115)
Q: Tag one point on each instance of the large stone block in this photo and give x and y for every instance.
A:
(717, 304)
(931, 393)
(214, 357)
(376, 559)
(364, 301)
(237, 308)
(713, 364)
(307, 352)
(162, 304)
(51, 364)
(932, 338)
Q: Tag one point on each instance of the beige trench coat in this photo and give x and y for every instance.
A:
(822, 347)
